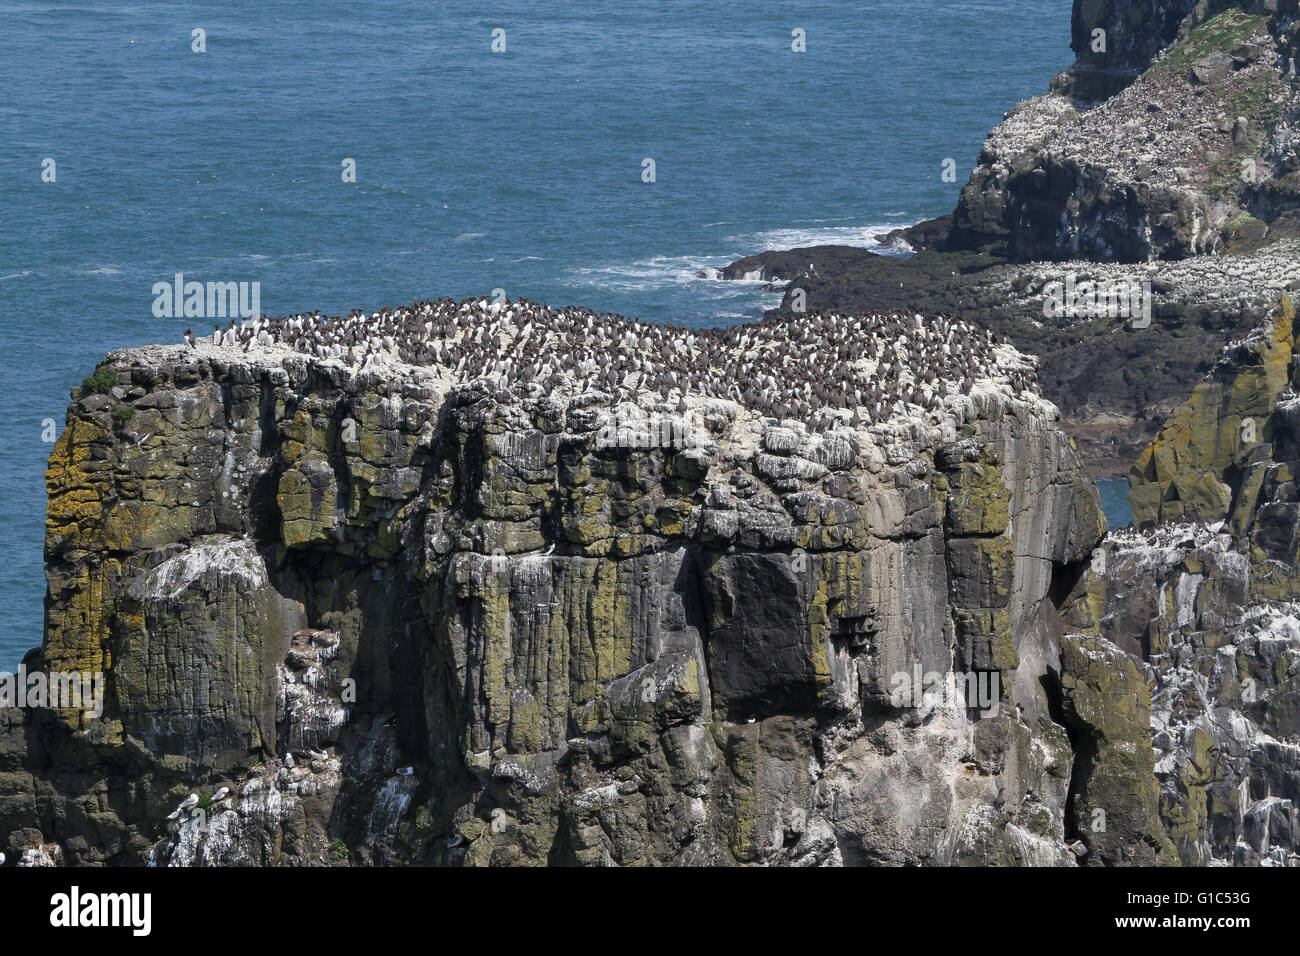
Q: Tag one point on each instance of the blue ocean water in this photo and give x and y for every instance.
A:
(1114, 502)
(475, 170)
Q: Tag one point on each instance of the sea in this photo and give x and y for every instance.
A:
(605, 153)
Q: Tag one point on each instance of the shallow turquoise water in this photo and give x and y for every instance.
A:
(475, 170)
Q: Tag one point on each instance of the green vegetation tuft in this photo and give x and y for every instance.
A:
(1256, 103)
(1221, 33)
(1226, 174)
(101, 382)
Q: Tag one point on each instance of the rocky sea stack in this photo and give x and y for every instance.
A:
(596, 628)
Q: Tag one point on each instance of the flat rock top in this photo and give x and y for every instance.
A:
(864, 369)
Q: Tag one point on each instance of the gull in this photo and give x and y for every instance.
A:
(318, 755)
(220, 794)
(288, 760)
(189, 802)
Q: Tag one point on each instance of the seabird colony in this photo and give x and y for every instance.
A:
(868, 367)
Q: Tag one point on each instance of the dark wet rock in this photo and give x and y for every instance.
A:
(785, 265)
(930, 234)
(1134, 32)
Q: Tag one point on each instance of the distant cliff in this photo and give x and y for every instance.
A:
(1198, 152)
(1131, 34)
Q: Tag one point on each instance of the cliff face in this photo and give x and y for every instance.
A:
(1204, 597)
(1231, 446)
(533, 631)
(1134, 32)
(1196, 153)
(1222, 660)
